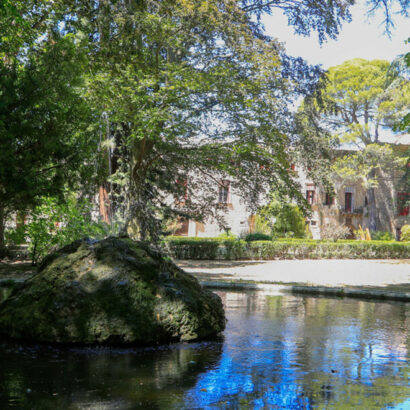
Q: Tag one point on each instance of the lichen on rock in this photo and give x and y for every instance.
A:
(114, 291)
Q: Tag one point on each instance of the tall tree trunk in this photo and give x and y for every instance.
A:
(2, 226)
(371, 196)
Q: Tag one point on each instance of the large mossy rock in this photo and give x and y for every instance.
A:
(111, 291)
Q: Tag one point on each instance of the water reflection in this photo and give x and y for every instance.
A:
(278, 352)
(51, 378)
(294, 352)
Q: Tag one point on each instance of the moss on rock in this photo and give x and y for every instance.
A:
(111, 291)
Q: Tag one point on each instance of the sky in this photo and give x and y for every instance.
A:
(364, 37)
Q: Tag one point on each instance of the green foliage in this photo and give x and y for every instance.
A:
(382, 236)
(400, 67)
(209, 248)
(21, 24)
(153, 76)
(45, 123)
(55, 224)
(263, 224)
(234, 249)
(205, 248)
(226, 235)
(44, 126)
(308, 232)
(362, 165)
(290, 222)
(15, 236)
(361, 98)
(405, 233)
(161, 74)
(257, 236)
(284, 218)
(354, 102)
(193, 248)
(44, 142)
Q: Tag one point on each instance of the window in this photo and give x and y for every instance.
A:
(313, 223)
(403, 199)
(310, 197)
(223, 192)
(329, 199)
(366, 201)
(183, 227)
(348, 201)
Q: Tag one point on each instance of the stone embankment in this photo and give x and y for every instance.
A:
(377, 279)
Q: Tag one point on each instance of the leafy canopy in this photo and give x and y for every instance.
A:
(187, 92)
(355, 104)
(192, 96)
(362, 98)
(43, 122)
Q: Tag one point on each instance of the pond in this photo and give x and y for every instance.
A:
(278, 351)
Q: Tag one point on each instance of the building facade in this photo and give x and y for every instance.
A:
(348, 206)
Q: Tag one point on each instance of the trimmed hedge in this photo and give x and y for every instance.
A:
(206, 248)
(257, 236)
(231, 249)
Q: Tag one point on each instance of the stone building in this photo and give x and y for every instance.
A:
(349, 205)
(237, 217)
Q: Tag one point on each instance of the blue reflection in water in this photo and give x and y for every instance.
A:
(253, 369)
(301, 357)
(282, 352)
(401, 406)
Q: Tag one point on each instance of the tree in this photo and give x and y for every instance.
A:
(324, 17)
(44, 122)
(54, 224)
(193, 97)
(195, 88)
(280, 218)
(401, 67)
(360, 99)
(183, 88)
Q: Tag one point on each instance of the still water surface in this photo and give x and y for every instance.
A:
(278, 351)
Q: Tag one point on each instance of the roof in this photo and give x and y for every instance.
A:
(402, 139)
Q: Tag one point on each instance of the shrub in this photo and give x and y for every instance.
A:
(263, 224)
(16, 236)
(405, 233)
(193, 248)
(281, 218)
(290, 221)
(334, 230)
(257, 236)
(235, 249)
(55, 224)
(214, 248)
(226, 235)
(382, 236)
